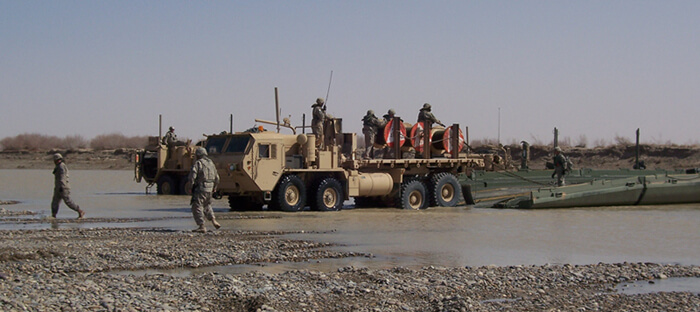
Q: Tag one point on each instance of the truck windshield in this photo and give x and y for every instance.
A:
(215, 145)
(238, 144)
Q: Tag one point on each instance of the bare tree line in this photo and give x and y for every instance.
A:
(41, 142)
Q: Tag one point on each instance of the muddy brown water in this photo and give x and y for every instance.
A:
(460, 236)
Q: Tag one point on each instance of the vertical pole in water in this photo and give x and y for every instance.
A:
(636, 156)
(160, 127)
(556, 137)
(231, 124)
(277, 110)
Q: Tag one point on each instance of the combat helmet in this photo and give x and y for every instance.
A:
(370, 112)
(200, 152)
(391, 112)
(57, 156)
(319, 102)
(426, 106)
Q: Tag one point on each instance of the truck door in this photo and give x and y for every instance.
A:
(268, 166)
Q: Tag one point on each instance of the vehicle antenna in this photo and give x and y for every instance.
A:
(329, 90)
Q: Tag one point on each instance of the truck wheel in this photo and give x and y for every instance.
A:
(166, 185)
(184, 190)
(444, 190)
(412, 195)
(328, 196)
(290, 194)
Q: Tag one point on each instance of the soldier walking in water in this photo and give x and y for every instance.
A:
(204, 179)
(425, 115)
(319, 115)
(370, 126)
(61, 190)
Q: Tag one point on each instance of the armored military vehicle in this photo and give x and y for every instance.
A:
(289, 172)
(164, 166)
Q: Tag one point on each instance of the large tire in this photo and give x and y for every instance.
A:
(184, 190)
(444, 190)
(328, 196)
(243, 203)
(468, 196)
(289, 194)
(166, 185)
(412, 195)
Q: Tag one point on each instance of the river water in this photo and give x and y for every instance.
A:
(460, 236)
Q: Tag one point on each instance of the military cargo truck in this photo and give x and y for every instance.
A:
(289, 172)
(165, 167)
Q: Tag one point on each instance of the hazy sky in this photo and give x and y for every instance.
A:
(598, 69)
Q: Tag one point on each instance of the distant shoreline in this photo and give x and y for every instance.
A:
(611, 157)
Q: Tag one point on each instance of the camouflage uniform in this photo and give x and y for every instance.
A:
(204, 179)
(559, 166)
(319, 115)
(370, 127)
(61, 190)
(425, 115)
(170, 137)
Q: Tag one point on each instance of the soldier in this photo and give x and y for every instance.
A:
(204, 179)
(426, 115)
(389, 115)
(170, 137)
(559, 166)
(319, 115)
(61, 188)
(370, 126)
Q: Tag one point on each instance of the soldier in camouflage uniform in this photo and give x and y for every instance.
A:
(370, 126)
(170, 137)
(559, 166)
(426, 115)
(319, 115)
(204, 179)
(61, 190)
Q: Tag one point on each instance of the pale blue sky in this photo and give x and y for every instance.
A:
(595, 68)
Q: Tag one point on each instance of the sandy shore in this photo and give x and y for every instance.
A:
(73, 269)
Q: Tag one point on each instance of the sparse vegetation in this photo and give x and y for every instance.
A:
(117, 140)
(41, 142)
(36, 142)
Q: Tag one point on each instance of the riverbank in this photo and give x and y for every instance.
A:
(611, 157)
(84, 269)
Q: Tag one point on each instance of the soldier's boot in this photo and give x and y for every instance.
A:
(200, 229)
(81, 213)
(216, 224)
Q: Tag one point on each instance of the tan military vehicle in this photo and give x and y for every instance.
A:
(165, 167)
(290, 172)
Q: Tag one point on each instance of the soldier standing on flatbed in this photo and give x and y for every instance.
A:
(170, 138)
(559, 166)
(426, 115)
(204, 179)
(370, 126)
(61, 190)
(319, 115)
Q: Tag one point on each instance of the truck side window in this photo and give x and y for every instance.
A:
(263, 151)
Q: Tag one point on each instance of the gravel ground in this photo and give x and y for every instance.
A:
(82, 270)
